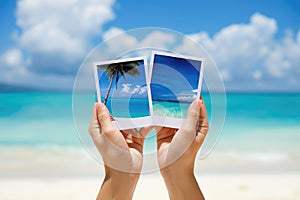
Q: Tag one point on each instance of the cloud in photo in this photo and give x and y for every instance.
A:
(127, 90)
(187, 98)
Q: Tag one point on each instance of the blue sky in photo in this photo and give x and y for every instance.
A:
(255, 43)
(167, 85)
(132, 87)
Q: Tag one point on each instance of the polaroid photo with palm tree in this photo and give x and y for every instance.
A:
(122, 85)
(176, 81)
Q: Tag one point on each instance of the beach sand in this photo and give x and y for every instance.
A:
(214, 186)
(54, 173)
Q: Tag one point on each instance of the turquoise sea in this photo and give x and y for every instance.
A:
(128, 108)
(170, 109)
(254, 122)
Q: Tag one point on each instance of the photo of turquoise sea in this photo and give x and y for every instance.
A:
(174, 84)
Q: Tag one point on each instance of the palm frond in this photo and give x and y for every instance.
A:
(117, 80)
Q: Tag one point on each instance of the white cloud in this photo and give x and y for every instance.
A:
(112, 32)
(13, 58)
(57, 33)
(126, 88)
(187, 98)
(52, 39)
(55, 36)
(142, 90)
(119, 44)
(246, 53)
(120, 41)
(158, 39)
(240, 46)
(257, 74)
(137, 90)
(283, 59)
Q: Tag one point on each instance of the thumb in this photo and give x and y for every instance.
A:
(186, 135)
(104, 120)
(190, 124)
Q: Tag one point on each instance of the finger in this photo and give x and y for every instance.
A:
(133, 132)
(94, 128)
(144, 131)
(104, 120)
(133, 136)
(203, 124)
(157, 128)
(190, 124)
(133, 141)
(186, 135)
(165, 132)
(165, 136)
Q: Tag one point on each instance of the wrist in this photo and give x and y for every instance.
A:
(118, 185)
(177, 172)
(177, 178)
(181, 183)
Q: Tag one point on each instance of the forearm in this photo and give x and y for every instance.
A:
(118, 185)
(182, 185)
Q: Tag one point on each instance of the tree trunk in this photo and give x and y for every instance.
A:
(108, 91)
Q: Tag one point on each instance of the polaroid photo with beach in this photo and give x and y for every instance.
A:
(176, 81)
(136, 97)
(122, 85)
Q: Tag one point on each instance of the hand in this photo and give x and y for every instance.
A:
(177, 150)
(121, 152)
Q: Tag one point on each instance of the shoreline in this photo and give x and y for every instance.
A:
(68, 162)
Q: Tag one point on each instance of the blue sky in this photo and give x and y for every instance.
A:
(253, 42)
(184, 81)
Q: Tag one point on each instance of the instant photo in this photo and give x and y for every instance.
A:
(122, 86)
(175, 82)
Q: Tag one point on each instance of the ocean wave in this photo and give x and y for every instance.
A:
(169, 112)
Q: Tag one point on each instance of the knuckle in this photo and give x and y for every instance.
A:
(102, 116)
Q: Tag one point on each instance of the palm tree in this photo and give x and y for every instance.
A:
(116, 70)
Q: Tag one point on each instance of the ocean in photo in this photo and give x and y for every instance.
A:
(128, 107)
(170, 109)
(259, 127)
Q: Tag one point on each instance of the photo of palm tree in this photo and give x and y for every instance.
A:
(116, 71)
(122, 87)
